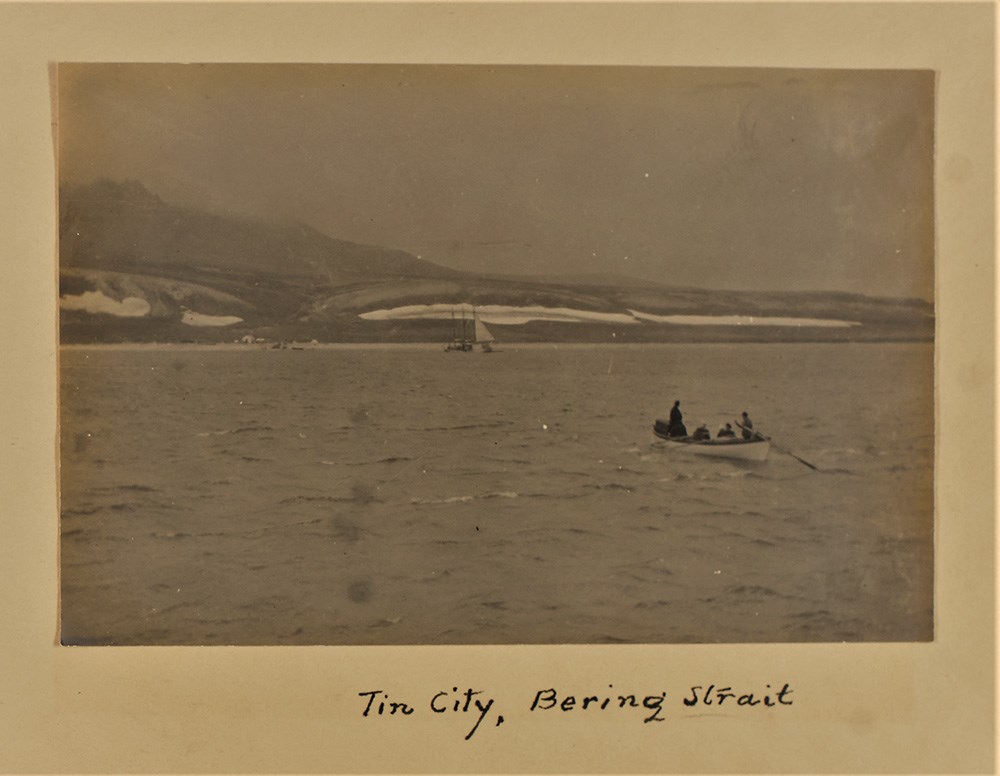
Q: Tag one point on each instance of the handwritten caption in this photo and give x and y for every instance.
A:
(477, 709)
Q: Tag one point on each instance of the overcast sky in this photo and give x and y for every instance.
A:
(717, 178)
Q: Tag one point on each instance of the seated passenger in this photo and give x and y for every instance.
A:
(702, 432)
(727, 431)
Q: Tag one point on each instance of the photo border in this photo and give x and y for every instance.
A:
(857, 708)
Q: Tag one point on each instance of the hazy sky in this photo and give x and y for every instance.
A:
(717, 178)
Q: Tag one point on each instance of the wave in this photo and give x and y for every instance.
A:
(447, 500)
(564, 496)
(126, 488)
(736, 472)
(466, 499)
(816, 614)
(240, 430)
(650, 564)
(463, 427)
(561, 496)
(751, 590)
(851, 452)
(310, 499)
(390, 460)
(659, 604)
(80, 511)
(577, 531)
(677, 477)
(571, 473)
(721, 512)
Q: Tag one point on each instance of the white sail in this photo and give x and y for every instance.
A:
(482, 333)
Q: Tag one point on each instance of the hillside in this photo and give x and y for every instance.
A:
(125, 227)
(135, 268)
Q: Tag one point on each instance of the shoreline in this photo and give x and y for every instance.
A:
(436, 347)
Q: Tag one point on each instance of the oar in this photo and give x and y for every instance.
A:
(783, 450)
(800, 460)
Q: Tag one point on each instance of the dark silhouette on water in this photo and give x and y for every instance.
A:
(675, 426)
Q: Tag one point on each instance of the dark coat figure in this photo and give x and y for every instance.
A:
(727, 431)
(747, 426)
(676, 426)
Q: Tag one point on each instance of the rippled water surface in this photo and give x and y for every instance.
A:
(403, 495)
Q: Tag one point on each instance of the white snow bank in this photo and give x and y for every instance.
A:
(741, 320)
(98, 302)
(192, 318)
(499, 314)
(512, 316)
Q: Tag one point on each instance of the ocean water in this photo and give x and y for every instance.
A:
(403, 495)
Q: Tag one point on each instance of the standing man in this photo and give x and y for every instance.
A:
(747, 426)
(676, 426)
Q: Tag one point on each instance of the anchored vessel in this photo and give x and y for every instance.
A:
(461, 342)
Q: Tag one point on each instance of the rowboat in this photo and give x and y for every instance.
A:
(734, 448)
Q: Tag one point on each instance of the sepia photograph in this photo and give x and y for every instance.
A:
(382, 354)
(498, 387)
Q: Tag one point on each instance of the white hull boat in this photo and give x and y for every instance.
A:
(733, 448)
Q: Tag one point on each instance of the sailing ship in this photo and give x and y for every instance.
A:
(461, 341)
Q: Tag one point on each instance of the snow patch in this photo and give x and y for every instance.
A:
(192, 318)
(741, 320)
(99, 302)
(507, 315)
